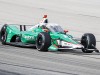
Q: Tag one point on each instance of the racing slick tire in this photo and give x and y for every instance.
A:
(18, 39)
(43, 41)
(3, 34)
(88, 40)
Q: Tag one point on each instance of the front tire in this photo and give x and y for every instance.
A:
(3, 34)
(88, 40)
(43, 41)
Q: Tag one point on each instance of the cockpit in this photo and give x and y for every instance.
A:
(53, 27)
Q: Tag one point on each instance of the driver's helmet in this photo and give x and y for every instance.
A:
(43, 25)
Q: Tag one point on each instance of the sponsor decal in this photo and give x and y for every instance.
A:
(29, 37)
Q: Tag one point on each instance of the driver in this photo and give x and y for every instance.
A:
(43, 26)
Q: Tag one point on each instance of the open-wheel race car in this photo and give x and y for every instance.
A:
(46, 36)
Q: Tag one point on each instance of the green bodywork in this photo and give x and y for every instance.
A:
(31, 36)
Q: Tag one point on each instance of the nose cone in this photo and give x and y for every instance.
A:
(66, 38)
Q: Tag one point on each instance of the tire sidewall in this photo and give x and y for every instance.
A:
(90, 39)
(46, 41)
(3, 34)
(43, 41)
(88, 42)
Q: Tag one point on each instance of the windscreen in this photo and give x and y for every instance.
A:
(55, 28)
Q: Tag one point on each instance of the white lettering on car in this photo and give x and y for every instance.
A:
(29, 37)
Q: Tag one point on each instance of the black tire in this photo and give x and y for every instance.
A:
(88, 40)
(18, 39)
(3, 34)
(15, 38)
(43, 41)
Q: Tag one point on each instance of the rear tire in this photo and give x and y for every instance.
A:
(43, 41)
(88, 40)
(3, 34)
(18, 39)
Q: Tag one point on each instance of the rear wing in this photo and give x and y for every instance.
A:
(19, 27)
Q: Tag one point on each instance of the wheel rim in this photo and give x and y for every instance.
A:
(40, 41)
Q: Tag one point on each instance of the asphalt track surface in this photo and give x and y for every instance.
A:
(78, 16)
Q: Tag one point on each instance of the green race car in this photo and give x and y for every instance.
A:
(45, 36)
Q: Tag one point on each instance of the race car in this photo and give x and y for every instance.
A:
(46, 36)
